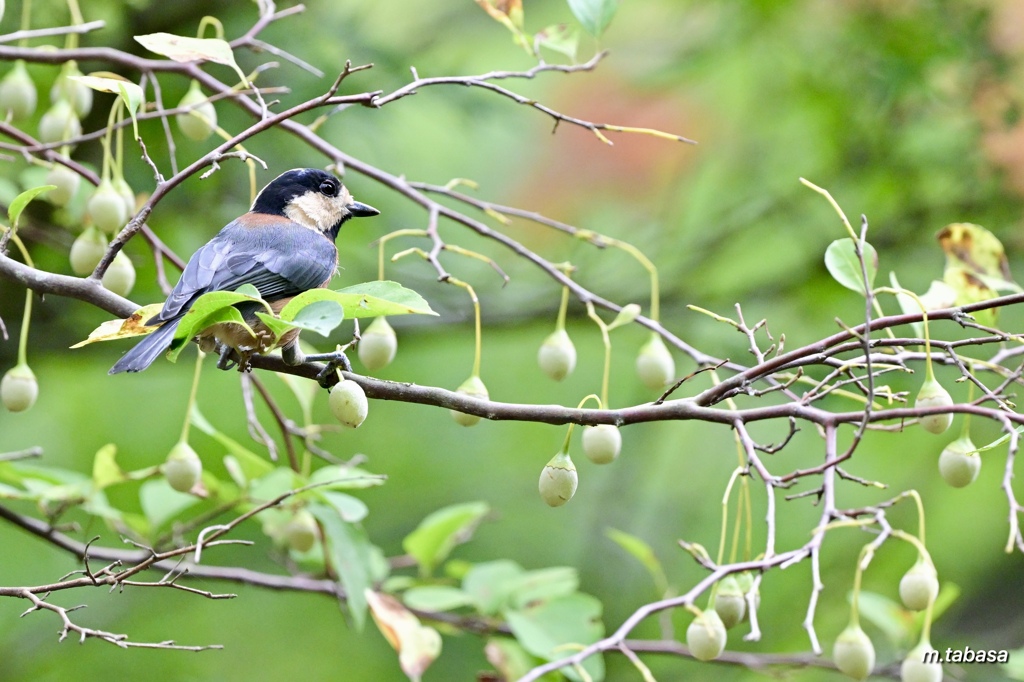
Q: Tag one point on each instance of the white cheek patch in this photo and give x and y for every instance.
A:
(316, 211)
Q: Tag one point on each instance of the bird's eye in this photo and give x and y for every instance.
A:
(329, 187)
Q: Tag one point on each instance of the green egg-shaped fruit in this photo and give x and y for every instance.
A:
(915, 669)
(919, 586)
(66, 183)
(558, 480)
(19, 388)
(853, 653)
(201, 120)
(18, 93)
(377, 345)
(960, 463)
(557, 355)
(106, 208)
(474, 388)
(706, 636)
(301, 532)
(183, 468)
(87, 250)
(75, 92)
(348, 403)
(932, 394)
(59, 123)
(120, 276)
(654, 364)
(602, 443)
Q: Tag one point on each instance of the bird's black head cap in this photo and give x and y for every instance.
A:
(276, 196)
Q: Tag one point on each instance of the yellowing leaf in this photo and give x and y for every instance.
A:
(123, 329)
(130, 93)
(978, 252)
(508, 12)
(184, 49)
(417, 645)
(105, 470)
(971, 288)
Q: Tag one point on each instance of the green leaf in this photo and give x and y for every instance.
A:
(551, 629)
(252, 465)
(382, 297)
(248, 290)
(341, 477)
(235, 471)
(440, 531)
(274, 484)
(512, 661)
(490, 584)
(436, 598)
(350, 509)
(22, 200)
(643, 553)
(131, 94)
(842, 263)
(594, 15)
(559, 38)
(209, 309)
(891, 618)
(1014, 667)
(543, 584)
(105, 471)
(277, 326)
(161, 503)
(305, 392)
(320, 317)
(351, 555)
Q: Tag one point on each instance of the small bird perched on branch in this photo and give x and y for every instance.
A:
(283, 246)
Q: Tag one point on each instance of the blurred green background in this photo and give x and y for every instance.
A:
(908, 111)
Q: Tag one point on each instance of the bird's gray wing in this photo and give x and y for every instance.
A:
(280, 258)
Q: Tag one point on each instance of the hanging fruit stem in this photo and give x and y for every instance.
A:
(607, 350)
(738, 471)
(866, 553)
(965, 429)
(926, 626)
(562, 309)
(71, 41)
(476, 313)
(118, 168)
(27, 315)
(26, 21)
(652, 270)
(568, 433)
(218, 28)
(929, 373)
(391, 235)
(192, 397)
(920, 515)
(108, 156)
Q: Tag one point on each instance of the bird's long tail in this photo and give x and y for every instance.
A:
(147, 350)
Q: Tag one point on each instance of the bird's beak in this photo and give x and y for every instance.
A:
(358, 210)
